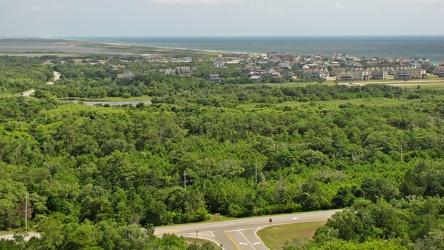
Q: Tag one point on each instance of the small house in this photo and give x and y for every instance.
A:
(126, 75)
(214, 78)
(256, 78)
(170, 72)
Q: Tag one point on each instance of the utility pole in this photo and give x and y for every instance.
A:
(26, 211)
(401, 153)
(185, 180)
(255, 168)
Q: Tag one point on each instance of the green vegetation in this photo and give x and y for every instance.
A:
(20, 74)
(203, 243)
(241, 150)
(391, 225)
(277, 237)
(110, 99)
(6, 233)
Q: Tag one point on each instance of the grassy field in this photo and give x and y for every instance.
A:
(367, 101)
(276, 237)
(380, 101)
(123, 49)
(431, 82)
(6, 232)
(111, 99)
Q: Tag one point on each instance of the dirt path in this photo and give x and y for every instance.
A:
(56, 78)
(31, 91)
(28, 93)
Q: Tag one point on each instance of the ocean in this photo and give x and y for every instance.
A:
(431, 47)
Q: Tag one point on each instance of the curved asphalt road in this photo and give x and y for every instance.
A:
(241, 234)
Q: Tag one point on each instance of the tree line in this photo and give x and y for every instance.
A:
(116, 170)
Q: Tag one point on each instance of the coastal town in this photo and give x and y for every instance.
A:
(279, 67)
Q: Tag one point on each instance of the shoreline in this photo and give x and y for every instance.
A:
(87, 46)
(162, 48)
(357, 46)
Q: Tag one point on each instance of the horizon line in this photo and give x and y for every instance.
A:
(210, 36)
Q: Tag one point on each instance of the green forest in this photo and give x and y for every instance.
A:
(203, 148)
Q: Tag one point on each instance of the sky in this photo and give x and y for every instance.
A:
(98, 18)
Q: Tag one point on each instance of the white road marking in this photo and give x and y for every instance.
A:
(247, 240)
(203, 233)
(243, 243)
(245, 229)
(256, 243)
(295, 218)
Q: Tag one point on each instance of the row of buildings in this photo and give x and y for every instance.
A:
(439, 70)
(182, 71)
(286, 60)
(338, 67)
(361, 73)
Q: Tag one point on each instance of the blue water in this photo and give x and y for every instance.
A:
(431, 47)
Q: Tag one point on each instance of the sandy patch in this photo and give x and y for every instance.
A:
(28, 93)
(56, 78)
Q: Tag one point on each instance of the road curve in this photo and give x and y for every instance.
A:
(241, 234)
(28, 93)
(56, 78)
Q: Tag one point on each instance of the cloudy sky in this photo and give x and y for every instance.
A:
(62, 18)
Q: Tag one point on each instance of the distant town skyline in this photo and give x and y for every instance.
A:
(67, 18)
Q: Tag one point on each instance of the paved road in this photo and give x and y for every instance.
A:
(241, 234)
(28, 236)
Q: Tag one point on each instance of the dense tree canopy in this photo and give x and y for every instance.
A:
(112, 170)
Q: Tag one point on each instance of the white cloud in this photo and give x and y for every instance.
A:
(59, 7)
(36, 8)
(341, 6)
(261, 8)
(195, 1)
(416, 1)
